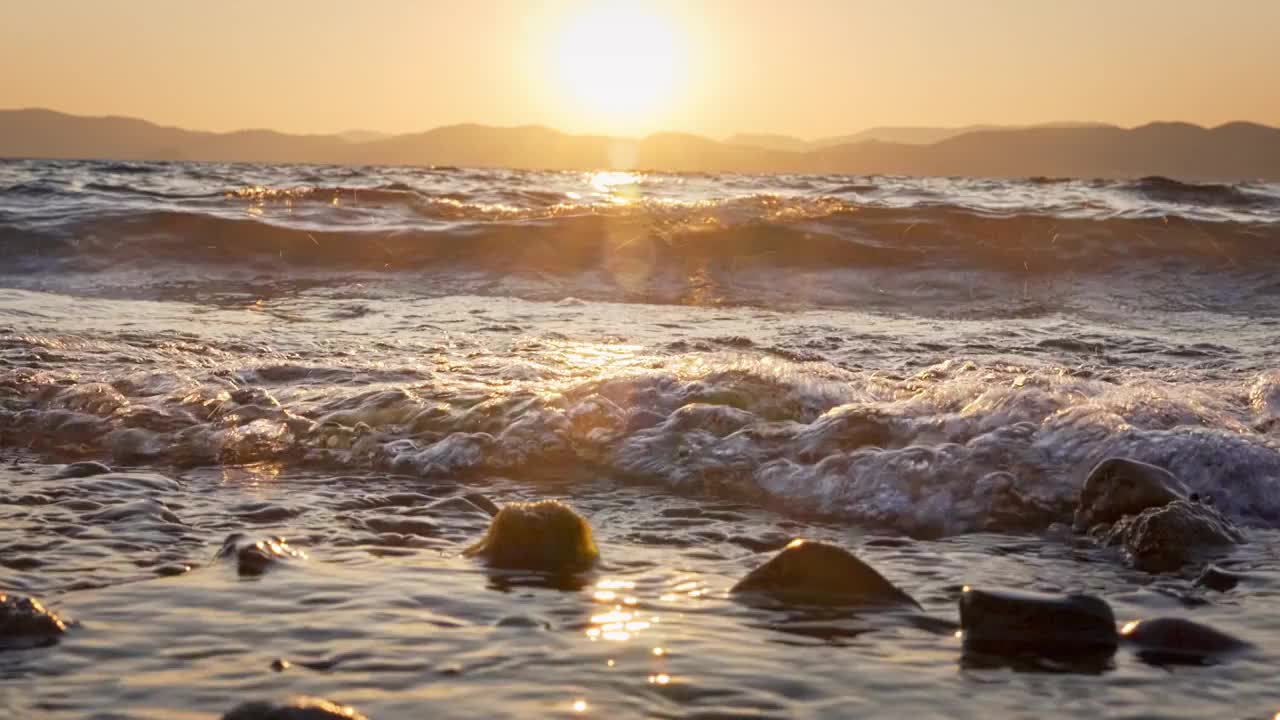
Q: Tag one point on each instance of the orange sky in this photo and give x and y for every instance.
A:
(801, 67)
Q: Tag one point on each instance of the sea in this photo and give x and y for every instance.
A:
(921, 370)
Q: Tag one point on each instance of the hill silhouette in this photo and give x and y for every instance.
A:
(1235, 151)
(905, 135)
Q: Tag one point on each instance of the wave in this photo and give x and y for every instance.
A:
(1165, 189)
(957, 447)
(757, 231)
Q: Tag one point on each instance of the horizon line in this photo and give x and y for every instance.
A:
(969, 127)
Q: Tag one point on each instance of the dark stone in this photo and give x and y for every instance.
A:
(81, 470)
(546, 536)
(298, 708)
(255, 557)
(1012, 624)
(1165, 538)
(1117, 487)
(1215, 578)
(24, 619)
(819, 573)
(1176, 641)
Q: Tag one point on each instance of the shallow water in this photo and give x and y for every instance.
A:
(931, 395)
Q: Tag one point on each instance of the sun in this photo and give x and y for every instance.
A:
(619, 63)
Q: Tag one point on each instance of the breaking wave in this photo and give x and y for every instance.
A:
(89, 216)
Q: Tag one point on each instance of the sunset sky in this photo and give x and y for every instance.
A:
(802, 67)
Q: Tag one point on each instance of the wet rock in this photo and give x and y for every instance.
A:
(816, 572)
(1176, 641)
(546, 536)
(255, 557)
(1215, 578)
(25, 620)
(298, 708)
(82, 469)
(1165, 538)
(1117, 487)
(1015, 624)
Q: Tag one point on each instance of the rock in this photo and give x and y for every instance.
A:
(1117, 487)
(1165, 538)
(82, 469)
(298, 708)
(24, 619)
(1215, 578)
(547, 536)
(816, 572)
(1174, 641)
(254, 557)
(1012, 624)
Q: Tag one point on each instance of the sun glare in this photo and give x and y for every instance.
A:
(619, 62)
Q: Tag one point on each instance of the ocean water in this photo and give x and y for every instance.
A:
(921, 370)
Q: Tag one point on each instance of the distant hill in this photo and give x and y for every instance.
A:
(361, 136)
(1178, 150)
(889, 134)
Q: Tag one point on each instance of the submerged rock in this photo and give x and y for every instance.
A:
(1215, 578)
(298, 708)
(24, 619)
(82, 469)
(1117, 487)
(253, 557)
(1179, 641)
(1166, 538)
(817, 572)
(1012, 624)
(546, 535)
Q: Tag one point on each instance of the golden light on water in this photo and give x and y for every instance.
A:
(622, 188)
(1129, 627)
(617, 625)
(579, 705)
(624, 623)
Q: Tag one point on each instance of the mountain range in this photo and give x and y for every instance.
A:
(905, 135)
(1234, 151)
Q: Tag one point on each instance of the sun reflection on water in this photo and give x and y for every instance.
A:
(625, 621)
(621, 188)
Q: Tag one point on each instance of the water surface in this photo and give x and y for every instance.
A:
(922, 370)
